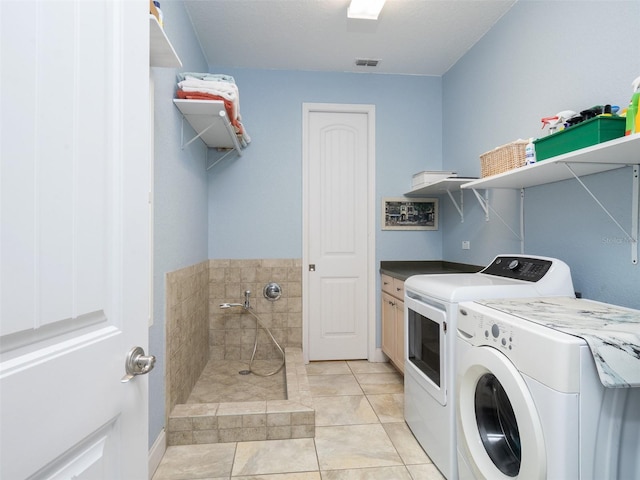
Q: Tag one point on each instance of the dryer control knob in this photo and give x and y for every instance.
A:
(514, 264)
(495, 330)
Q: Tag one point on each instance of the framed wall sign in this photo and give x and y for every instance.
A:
(401, 213)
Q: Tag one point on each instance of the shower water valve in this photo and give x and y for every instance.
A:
(272, 291)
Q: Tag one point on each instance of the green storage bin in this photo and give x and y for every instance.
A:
(590, 132)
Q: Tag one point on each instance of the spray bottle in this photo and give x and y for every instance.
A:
(633, 112)
(556, 123)
(530, 153)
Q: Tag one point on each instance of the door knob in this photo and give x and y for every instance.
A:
(137, 363)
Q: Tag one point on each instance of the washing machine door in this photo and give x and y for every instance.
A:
(500, 433)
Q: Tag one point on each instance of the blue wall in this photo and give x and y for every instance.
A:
(180, 196)
(255, 201)
(543, 57)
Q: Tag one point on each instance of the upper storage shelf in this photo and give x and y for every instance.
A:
(161, 52)
(210, 121)
(595, 159)
(440, 187)
(624, 151)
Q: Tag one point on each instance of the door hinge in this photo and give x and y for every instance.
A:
(444, 325)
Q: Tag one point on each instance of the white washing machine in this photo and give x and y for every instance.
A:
(431, 310)
(531, 404)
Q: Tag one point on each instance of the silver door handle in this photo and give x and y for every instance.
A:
(137, 363)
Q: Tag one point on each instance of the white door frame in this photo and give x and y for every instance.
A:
(370, 111)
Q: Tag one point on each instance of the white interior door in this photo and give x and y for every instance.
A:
(338, 232)
(74, 238)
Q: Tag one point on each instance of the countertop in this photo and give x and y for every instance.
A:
(612, 332)
(403, 269)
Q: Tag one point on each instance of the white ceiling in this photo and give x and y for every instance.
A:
(420, 37)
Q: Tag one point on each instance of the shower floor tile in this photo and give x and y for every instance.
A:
(220, 382)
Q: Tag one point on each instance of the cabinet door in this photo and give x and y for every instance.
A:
(399, 336)
(388, 325)
(398, 288)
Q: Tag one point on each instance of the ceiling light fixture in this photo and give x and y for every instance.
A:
(365, 9)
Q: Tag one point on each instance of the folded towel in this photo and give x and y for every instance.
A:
(220, 77)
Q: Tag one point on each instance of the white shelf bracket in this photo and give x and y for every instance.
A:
(460, 206)
(484, 202)
(632, 236)
(205, 130)
(486, 206)
(522, 220)
(635, 205)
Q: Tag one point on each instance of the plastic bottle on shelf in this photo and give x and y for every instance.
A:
(530, 153)
(633, 117)
(160, 15)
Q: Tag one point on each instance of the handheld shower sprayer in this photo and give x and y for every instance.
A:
(246, 305)
(247, 308)
(229, 305)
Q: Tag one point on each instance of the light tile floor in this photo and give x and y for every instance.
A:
(360, 435)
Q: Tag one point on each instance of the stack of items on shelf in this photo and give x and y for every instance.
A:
(211, 86)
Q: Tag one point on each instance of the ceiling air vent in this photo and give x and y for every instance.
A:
(366, 62)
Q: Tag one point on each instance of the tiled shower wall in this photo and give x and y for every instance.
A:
(187, 326)
(198, 330)
(232, 331)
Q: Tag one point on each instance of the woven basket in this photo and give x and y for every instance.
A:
(503, 158)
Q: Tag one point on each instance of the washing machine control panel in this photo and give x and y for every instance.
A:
(485, 330)
(495, 333)
(520, 268)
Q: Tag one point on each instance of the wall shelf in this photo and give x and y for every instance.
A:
(210, 121)
(586, 161)
(447, 185)
(161, 52)
(614, 154)
(441, 186)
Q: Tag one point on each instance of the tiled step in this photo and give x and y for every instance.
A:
(246, 421)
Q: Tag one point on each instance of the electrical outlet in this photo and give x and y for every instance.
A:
(466, 245)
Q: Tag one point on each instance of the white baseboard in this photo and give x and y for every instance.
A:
(378, 356)
(156, 452)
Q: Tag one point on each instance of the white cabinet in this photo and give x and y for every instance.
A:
(393, 320)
